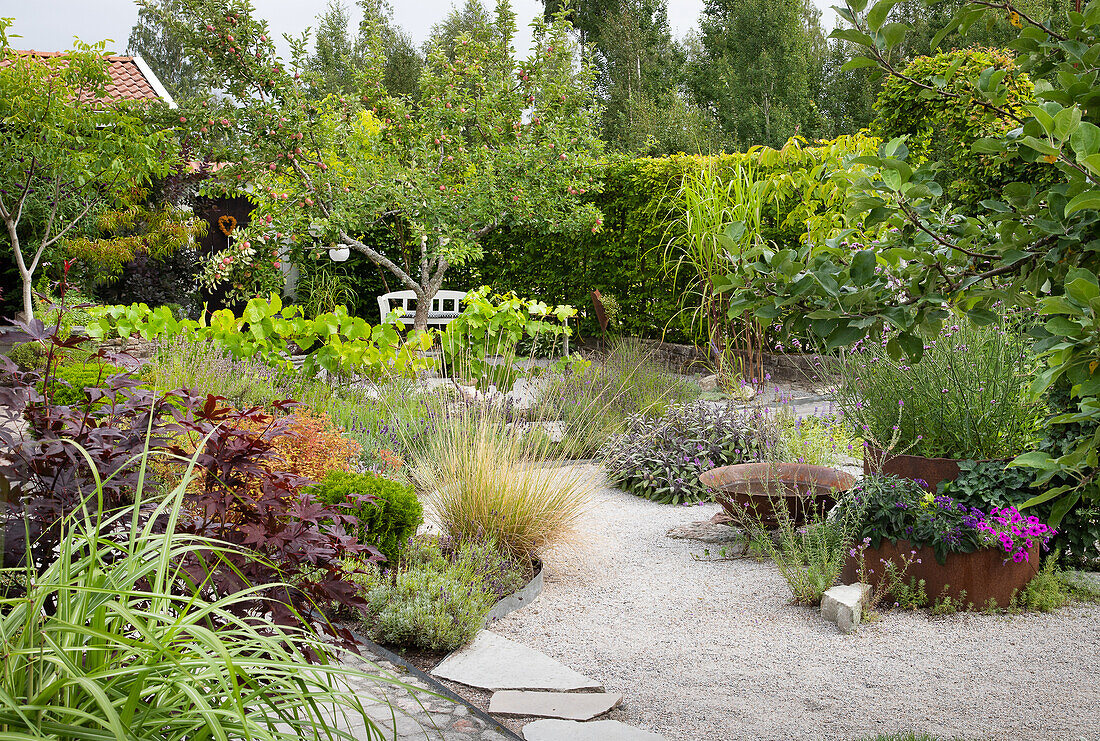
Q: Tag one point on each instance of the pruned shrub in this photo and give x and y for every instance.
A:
(387, 522)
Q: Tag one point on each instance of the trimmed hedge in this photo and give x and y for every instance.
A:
(626, 258)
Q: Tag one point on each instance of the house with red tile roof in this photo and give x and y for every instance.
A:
(131, 77)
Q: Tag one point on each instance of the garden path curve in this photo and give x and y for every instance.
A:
(712, 649)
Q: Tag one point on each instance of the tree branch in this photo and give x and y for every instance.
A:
(378, 259)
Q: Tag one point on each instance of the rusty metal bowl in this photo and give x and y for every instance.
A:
(760, 487)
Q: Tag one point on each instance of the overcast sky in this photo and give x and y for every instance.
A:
(50, 25)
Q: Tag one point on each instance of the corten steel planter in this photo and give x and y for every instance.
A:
(761, 486)
(983, 574)
(930, 470)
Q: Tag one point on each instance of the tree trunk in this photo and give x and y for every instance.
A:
(423, 304)
(28, 305)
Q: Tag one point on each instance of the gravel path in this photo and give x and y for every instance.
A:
(712, 650)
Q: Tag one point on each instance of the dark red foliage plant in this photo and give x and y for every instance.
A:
(60, 459)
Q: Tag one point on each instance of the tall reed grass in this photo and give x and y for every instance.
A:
(112, 640)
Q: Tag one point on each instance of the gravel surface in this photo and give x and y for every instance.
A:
(708, 650)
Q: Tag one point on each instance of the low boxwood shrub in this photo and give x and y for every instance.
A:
(388, 522)
(662, 459)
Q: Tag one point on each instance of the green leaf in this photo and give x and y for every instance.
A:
(858, 63)
(1090, 199)
(912, 346)
(988, 146)
(1082, 290)
(843, 336)
(876, 16)
(851, 34)
(1035, 459)
(1066, 122)
(863, 266)
(1043, 147)
(1086, 139)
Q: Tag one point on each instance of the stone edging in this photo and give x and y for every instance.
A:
(435, 685)
(522, 597)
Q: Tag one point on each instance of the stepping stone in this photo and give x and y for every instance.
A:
(567, 705)
(599, 730)
(493, 662)
(708, 532)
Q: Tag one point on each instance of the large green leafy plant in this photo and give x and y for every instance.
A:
(1034, 246)
(334, 342)
(488, 143)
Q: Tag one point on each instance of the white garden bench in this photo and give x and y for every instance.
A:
(446, 305)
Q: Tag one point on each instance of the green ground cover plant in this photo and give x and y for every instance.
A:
(72, 380)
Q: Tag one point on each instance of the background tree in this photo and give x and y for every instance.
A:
(164, 52)
(339, 56)
(488, 143)
(639, 73)
(754, 69)
(65, 152)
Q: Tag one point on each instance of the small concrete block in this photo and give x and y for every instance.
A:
(843, 605)
(600, 730)
(566, 705)
(493, 662)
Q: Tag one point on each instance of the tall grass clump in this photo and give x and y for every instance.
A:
(486, 476)
(118, 637)
(717, 238)
(593, 405)
(968, 397)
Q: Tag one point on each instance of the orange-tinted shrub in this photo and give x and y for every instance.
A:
(315, 446)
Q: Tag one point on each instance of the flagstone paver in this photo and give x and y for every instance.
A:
(564, 705)
(493, 662)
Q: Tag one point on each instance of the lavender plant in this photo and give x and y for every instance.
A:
(661, 460)
(209, 369)
(968, 397)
